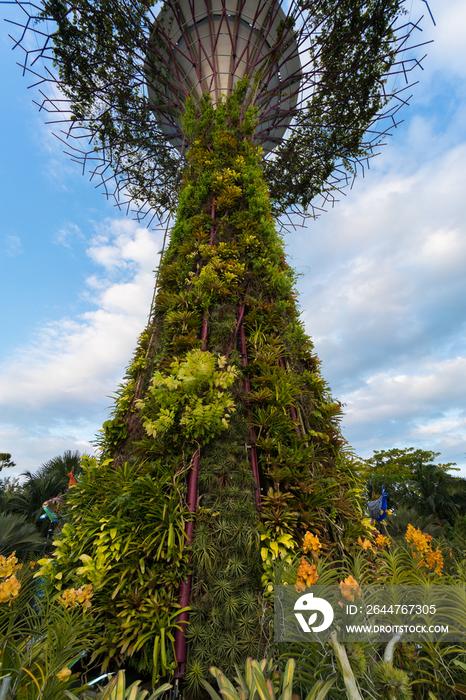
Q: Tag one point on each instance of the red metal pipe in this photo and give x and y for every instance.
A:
(240, 320)
(252, 433)
(294, 415)
(205, 330)
(185, 588)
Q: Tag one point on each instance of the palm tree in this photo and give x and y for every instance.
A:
(8, 487)
(439, 494)
(6, 461)
(60, 467)
(18, 535)
(397, 523)
(50, 480)
(415, 483)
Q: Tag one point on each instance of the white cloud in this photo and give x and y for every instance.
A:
(424, 409)
(67, 233)
(384, 300)
(76, 358)
(444, 250)
(447, 51)
(70, 361)
(389, 267)
(13, 245)
(34, 446)
(120, 243)
(62, 379)
(402, 396)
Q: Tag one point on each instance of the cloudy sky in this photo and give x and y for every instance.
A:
(382, 286)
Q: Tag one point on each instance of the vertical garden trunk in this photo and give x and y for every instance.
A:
(225, 419)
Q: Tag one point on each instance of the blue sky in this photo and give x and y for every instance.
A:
(382, 286)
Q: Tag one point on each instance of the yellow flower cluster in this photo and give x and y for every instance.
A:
(421, 546)
(9, 566)
(381, 541)
(420, 540)
(311, 543)
(349, 588)
(75, 596)
(307, 575)
(434, 560)
(9, 588)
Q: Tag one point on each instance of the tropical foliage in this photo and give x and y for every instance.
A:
(64, 631)
(420, 492)
(124, 537)
(6, 461)
(263, 681)
(24, 497)
(18, 535)
(39, 641)
(43, 645)
(394, 669)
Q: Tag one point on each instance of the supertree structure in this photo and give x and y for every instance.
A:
(224, 443)
(320, 83)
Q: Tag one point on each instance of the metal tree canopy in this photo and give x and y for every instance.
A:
(322, 81)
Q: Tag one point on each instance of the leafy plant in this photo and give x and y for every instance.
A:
(116, 690)
(255, 684)
(279, 548)
(40, 642)
(396, 669)
(6, 461)
(49, 481)
(418, 489)
(18, 535)
(125, 537)
(193, 400)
